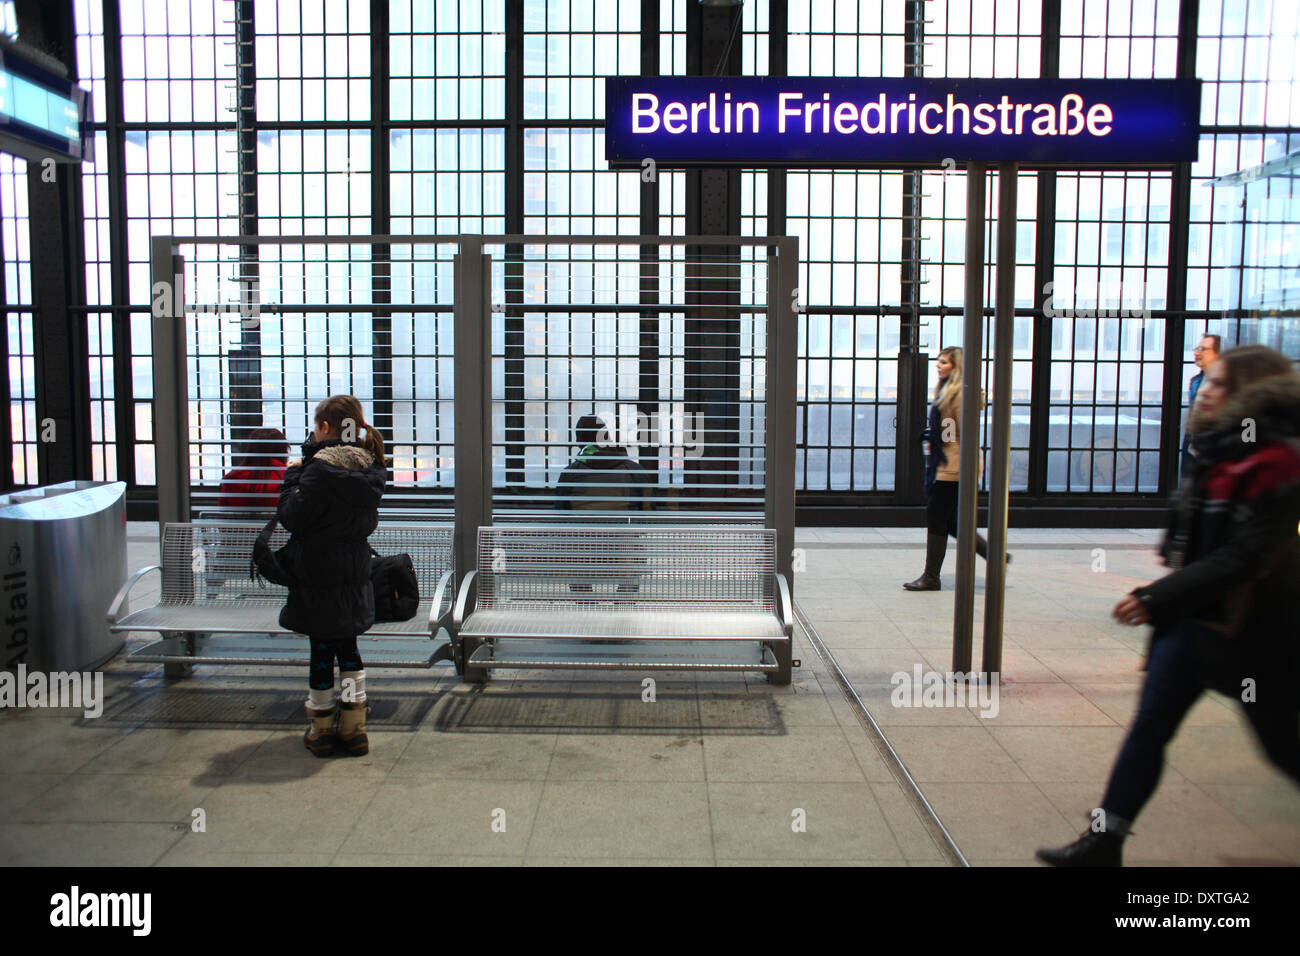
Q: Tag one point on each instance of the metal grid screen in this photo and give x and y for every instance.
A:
(665, 347)
(273, 328)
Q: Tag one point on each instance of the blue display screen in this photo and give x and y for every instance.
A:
(755, 121)
(40, 113)
(36, 106)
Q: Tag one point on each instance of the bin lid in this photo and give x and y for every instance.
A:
(58, 502)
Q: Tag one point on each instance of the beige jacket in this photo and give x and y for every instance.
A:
(949, 470)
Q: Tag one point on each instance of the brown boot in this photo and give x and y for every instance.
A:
(320, 736)
(352, 739)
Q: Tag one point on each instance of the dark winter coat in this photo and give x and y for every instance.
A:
(604, 478)
(1232, 537)
(330, 504)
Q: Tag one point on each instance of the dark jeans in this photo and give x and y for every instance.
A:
(321, 674)
(1172, 685)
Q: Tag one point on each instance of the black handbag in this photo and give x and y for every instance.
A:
(397, 590)
(266, 563)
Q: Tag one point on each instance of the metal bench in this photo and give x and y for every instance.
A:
(210, 612)
(641, 597)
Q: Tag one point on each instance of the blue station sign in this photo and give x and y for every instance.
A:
(42, 115)
(847, 122)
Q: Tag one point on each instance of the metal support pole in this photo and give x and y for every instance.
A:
(170, 383)
(782, 373)
(781, 385)
(968, 475)
(1000, 452)
(472, 338)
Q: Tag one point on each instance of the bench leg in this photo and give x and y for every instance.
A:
(473, 674)
(179, 670)
(463, 649)
(784, 654)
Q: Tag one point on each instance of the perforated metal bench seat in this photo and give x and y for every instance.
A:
(558, 596)
(209, 611)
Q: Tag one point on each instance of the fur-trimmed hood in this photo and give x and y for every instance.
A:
(352, 457)
(1275, 398)
(345, 470)
(1267, 410)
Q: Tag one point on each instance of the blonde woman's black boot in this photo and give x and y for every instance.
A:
(935, 547)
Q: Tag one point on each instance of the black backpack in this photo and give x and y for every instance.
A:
(397, 591)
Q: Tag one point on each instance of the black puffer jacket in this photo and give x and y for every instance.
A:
(1232, 538)
(604, 478)
(330, 504)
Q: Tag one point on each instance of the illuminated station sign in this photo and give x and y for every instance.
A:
(845, 122)
(42, 115)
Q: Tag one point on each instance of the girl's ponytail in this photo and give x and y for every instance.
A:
(374, 443)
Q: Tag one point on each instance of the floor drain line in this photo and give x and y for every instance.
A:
(938, 832)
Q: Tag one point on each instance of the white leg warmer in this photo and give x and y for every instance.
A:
(320, 699)
(354, 686)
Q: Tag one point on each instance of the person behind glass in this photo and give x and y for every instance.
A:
(253, 484)
(330, 505)
(1225, 616)
(942, 465)
(602, 476)
(1204, 355)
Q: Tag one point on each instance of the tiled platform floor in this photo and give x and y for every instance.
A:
(579, 769)
(1031, 775)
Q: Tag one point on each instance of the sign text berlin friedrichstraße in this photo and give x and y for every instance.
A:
(846, 122)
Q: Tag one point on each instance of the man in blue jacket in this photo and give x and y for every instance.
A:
(1204, 355)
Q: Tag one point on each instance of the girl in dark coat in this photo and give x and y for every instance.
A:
(1225, 618)
(330, 504)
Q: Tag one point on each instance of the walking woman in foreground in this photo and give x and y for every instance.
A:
(1225, 617)
(942, 464)
(330, 505)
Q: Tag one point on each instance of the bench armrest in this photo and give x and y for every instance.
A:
(785, 604)
(121, 605)
(440, 596)
(464, 601)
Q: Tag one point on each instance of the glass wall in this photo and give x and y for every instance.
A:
(448, 116)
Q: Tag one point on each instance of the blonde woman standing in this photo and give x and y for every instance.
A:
(943, 433)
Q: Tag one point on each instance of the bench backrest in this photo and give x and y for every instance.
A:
(646, 566)
(208, 562)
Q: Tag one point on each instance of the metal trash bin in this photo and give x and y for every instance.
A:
(62, 561)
